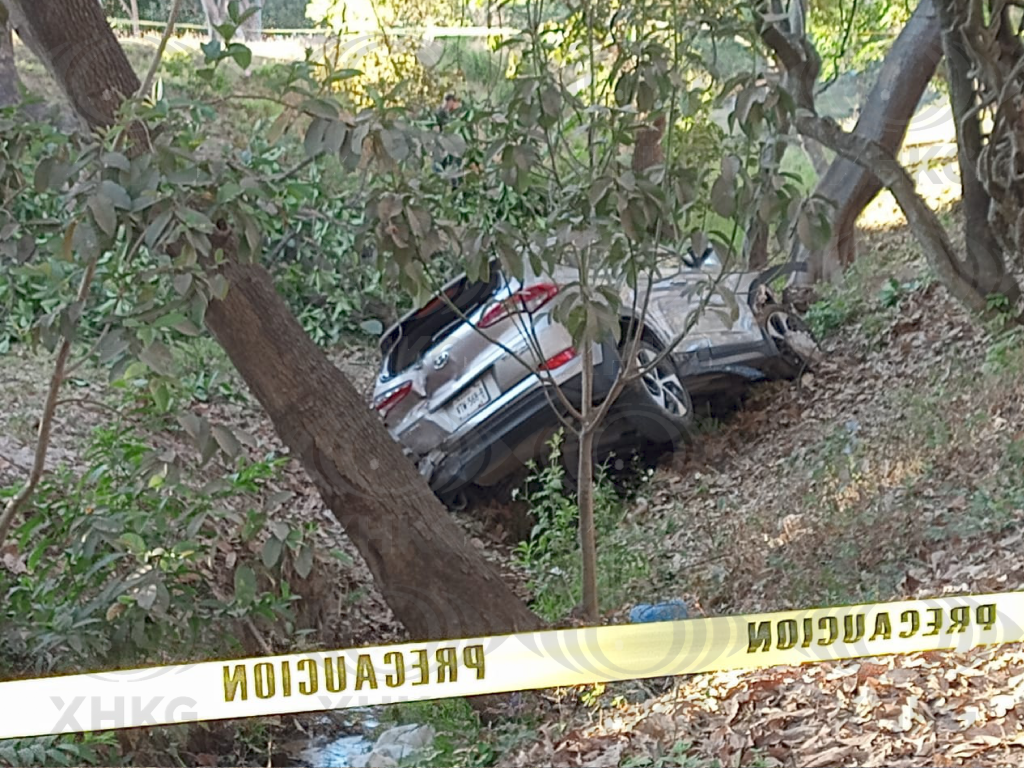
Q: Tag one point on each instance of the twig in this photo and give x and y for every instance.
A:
(248, 623)
(46, 422)
(86, 402)
(155, 65)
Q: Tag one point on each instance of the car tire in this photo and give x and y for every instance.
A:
(792, 337)
(656, 406)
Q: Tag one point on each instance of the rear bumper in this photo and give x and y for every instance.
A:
(497, 439)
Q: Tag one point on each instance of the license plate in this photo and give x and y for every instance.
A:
(471, 401)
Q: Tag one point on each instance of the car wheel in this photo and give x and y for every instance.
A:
(792, 337)
(656, 406)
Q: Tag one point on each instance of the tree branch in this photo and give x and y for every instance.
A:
(46, 422)
(147, 83)
(923, 220)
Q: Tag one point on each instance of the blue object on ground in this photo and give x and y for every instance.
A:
(671, 610)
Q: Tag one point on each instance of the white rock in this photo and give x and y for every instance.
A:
(373, 760)
(412, 735)
(394, 751)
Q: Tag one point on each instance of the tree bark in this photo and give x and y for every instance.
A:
(75, 43)
(890, 105)
(585, 489)
(923, 221)
(984, 257)
(10, 92)
(815, 155)
(434, 581)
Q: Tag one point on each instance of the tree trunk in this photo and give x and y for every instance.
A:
(890, 105)
(816, 155)
(135, 19)
(252, 28)
(75, 43)
(217, 13)
(214, 16)
(923, 221)
(984, 257)
(434, 581)
(10, 92)
(585, 490)
(755, 242)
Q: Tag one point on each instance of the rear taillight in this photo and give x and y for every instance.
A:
(557, 361)
(391, 398)
(529, 299)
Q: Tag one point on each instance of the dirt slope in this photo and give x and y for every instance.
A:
(892, 472)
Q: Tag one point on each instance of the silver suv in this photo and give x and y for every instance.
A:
(468, 391)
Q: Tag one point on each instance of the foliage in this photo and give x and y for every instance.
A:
(551, 555)
(832, 312)
(392, 68)
(276, 14)
(675, 757)
(850, 37)
(74, 750)
(118, 563)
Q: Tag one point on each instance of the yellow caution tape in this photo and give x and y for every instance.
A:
(361, 677)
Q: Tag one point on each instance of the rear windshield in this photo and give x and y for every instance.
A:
(428, 326)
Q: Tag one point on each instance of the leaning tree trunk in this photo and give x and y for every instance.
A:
(434, 581)
(983, 257)
(9, 80)
(890, 105)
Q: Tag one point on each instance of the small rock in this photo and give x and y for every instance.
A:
(412, 735)
(373, 760)
(393, 751)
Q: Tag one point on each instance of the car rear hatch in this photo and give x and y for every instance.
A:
(441, 372)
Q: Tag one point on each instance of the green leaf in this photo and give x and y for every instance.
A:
(43, 176)
(158, 357)
(272, 550)
(226, 440)
(241, 54)
(723, 196)
(325, 108)
(146, 597)
(599, 189)
(304, 561)
(372, 327)
(102, 209)
(196, 220)
(169, 320)
(211, 50)
(313, 143)
(135, 543)
(245, 584)
(161, 395)
(182, 283)
(117, 194)
(218, 285)
(187, 328)
(116, 160)
(112, 345)
(157, 226)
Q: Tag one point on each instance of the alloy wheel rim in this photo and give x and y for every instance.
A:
(662, 384)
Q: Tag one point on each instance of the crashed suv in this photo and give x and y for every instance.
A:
(466, 383)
